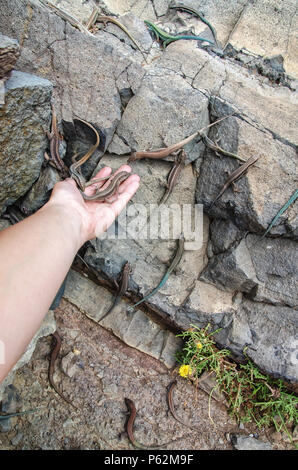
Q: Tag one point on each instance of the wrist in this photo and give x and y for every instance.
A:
(68, 220)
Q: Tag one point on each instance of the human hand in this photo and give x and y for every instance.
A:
(95, 217)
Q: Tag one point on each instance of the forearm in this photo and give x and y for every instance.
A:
(36, 254)
(35, 257)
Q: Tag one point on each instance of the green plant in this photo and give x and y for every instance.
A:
(251, 395)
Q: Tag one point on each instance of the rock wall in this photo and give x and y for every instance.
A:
(241, 283)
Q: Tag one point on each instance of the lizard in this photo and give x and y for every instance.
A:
(235, 175)
(54, 137)
(67, 17)
(126, 271)
(81, 183)
(164, 152)
(174, 264)
(199, 15)
(173, 176)
(73, 169)
(111, 189)
(95, 16)
(170, 390)
(92, 19)
(213, 146)
(53, 357)
(129, 428)
(168, 38)
(281, 211)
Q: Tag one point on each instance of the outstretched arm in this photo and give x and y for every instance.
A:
(36, 254)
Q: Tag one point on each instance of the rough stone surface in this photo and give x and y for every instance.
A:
(160, 115)
(24, 118)
(239, 283)
(9, 53)
(223, 234)
(61, 60)
(133, 24)
(271, 336)
(112, 371)
(279, 36)
(249, 443)
(40, 191)
(80, 9)
(266, 269)
(135, 329)
(252, 96)
(275, 263)
(275, 172)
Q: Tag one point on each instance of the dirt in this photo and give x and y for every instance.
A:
(103, 372)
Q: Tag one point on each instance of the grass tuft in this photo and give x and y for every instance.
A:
(251, 395)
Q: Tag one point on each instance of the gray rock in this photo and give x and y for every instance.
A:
(241, 442)
(76, 8)
(275, 262)
(11, 403)
(280, 24)
(207, 302)
(295, 433)
(40, 190)
(263, 268)
(250, 95)
(55, 51)
(273, 331)
(17, 438)
(9, 53)
(248, 207)
(137, 329)
(223, 234)
(132, 23)
(232, 270)
(25, 116)
(162, 115)
(207, 382)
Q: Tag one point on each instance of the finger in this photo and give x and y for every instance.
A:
(122, 168)
(132, 178)
(103, 173)
(127, 192)
(122, 188)
(132, 184)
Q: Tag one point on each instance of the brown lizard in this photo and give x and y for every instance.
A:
(74, 173)
(95, 16)
(126, 271)
(110, 191)
(235, 175)
(81, 183)
(164, 152)
(67, 17)
(54, 354)
(54, 137)
(171, 404)
(173, 176)
(129, 428)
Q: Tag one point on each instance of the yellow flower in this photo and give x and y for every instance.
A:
(199, 345)
(185, 370)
